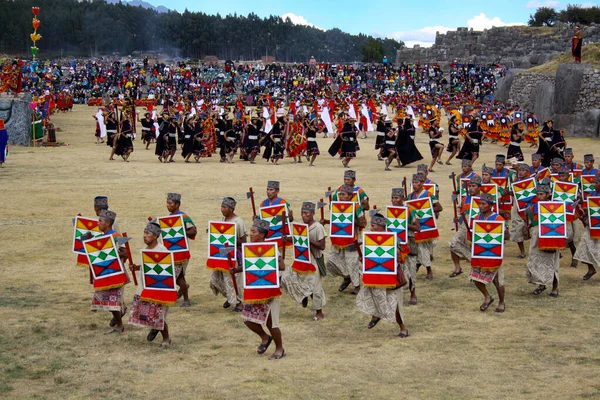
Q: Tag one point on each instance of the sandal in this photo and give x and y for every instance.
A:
(500, 310)
(277, 356)
(403, 335)
(373, 322)
(456, 273)
(166, 344)
(355, 291)
(553, 294)
(344, 285)
(539, 290)
(521, 256)
(113, 321)
(588, 275)
(574, 263)
(152, 335)
(413, 302)
(485, 306)
(226, 304)
(238, 308)
(264, 346)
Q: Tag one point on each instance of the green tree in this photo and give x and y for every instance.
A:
(543, 16)
(372, 51)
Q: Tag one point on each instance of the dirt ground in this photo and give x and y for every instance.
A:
(51, 346)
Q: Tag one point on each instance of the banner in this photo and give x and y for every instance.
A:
(397, 222)
(424, 210)
(83, 227)
(277, 226)
(487, 247)
(341, 228)
(260, 263)
(103, 257)
(379, 259)
(566, 192)
(587, 185)
(220, 235)
(302, 258)
(594, 216)
(552, 225)
(158, 277)
(525, 193)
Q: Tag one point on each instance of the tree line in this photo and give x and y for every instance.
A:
(573, 14)
(93, 27)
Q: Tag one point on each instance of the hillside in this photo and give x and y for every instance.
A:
(590, 54)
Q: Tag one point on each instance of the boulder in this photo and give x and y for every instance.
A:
(17, 118)
(504, 84)
(586, 124)
(568, 85)
(544, 101)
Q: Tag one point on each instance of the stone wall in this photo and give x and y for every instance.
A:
(514, 46)
(17, 118)
(571, 97)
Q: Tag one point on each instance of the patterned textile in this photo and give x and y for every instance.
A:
(277, 226)
(82, 228)
(542, 266)
(295, 286)
(568, 193)
(552, 226)
(473, 210)
(593, 205)
(379, 259)
(410, 270)
(158, 277)
(518, 227)
(459, 244)
(257, 313)
(260, 272)
(588, 250)
(173, 235)
(485, 276)
(488, 244)
(525, 193)
(107, 270)
(424, 253)
(302, 255)
(221, 283)
(220, 235)
(397, 222)
(381, 303)
(341, 228)
(424, 210)
(108, 300)
(492, 189)
(147, 315)
(344, 263)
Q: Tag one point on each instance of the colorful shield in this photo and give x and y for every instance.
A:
(103, 257)
(487, 247)
(552, 227)
(473, 210)
(277, 226)
(173, 233)
(593, 206)
(492, 189)
(397, 222)
(261, 265)
(379, 259)
(525, 193)
(341, 228)
(566, 192)
(302, 258)
(426, 215)
(221, 234)
(587, 185)
(84, 227)
(158, 277)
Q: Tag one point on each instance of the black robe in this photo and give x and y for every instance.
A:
(406, 150)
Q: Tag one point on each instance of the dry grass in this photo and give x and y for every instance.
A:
(51, 346)
(590, 54)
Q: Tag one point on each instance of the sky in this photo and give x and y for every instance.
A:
(413, 22)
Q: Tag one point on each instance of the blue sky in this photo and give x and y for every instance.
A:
(414, 22)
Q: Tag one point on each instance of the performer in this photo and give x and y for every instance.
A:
(111, 299)
(453, 139)
(410, 252)
(536, 164)
(388, 149)
(162, 137)
(460, 246)
(346, 142)
(470, 148)
(111, 130)
(516, 137)
(145, 314)
(189, 138)
(564, 175)
(171, 139)
(173, 204)
(588, 163)
(542, 265)
(569, 163)
(254, 313)
(406, 150)
(147, 129)
(124, 139)
(588, 251)
(273, 199)
(518, 228)
(576, 45)
(301, 286)
(482, 277)
(344, 261)
(252, 139)
(221, 282)
(312, 149)
(359, 196)
(276, 136)
(382, 303)
(380, 139)
(435, 144)
(425, 249)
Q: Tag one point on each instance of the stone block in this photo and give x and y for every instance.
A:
(17, 118)
(544, 100)
(568, 85)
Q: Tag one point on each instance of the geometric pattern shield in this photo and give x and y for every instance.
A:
(552, 225)
(432, 188)
(277, 227)
(593, 207)
(301, 242)
(220, 235)
(463, 189)
(542, 174)
(83, 227)
(487, 248)
(587, 185)
(379, 259)
(567, 192)
(158, 277)
(106, 267)
(525, 193)
(473, 210)
(491, 189)
(424, 210)
(173, 233)
(397, 222)
(260, 265)
(341, 228)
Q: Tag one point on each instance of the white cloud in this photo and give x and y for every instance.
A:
(299, 20)
(482, 21)
(534, 4)
(425, 37)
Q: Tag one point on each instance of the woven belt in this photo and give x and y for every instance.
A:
(252, 137)
(515, 144)
(312, 139)
(390, 142)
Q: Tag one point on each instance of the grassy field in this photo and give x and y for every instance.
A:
(590, 54)
(51, 346)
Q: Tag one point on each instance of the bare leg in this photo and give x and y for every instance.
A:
(572, 248)
(456, 261)
(500, 289)
(403, 328)
(276, 333)
(119, 321)
(485, 293)
(183, 286)
(165, 334)
(521, 249)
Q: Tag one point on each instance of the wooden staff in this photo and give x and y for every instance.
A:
(329, 191)
(251, 192)
(283, 237)
(130, 259)
(454, 201)
(358, 249)
(405, 186)
(232, 271)
(322, 210)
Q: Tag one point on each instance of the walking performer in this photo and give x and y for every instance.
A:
(262, 293)
(108, 294)
(182, 259)
(470, 148)
(453, 139)
(588, 164)
(564, 190)
(460, 245)
(406, 149)
(435, 144)
(312, 147)
(517, 135)
(112, 129)
(409, 251)
(343, 256)
(543, 261)
(588, 250)
(273, 199)
(359, 196)
(489, 234)
(388, 149)
(427, 219)
(221, 280)
(518, 228)
(346, 143)
(148, 134)
(305, 277)
(382, 294)
(381, 130)
(124, 139)
(150, 308)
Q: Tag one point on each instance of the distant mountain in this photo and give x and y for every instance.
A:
(136, 3)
